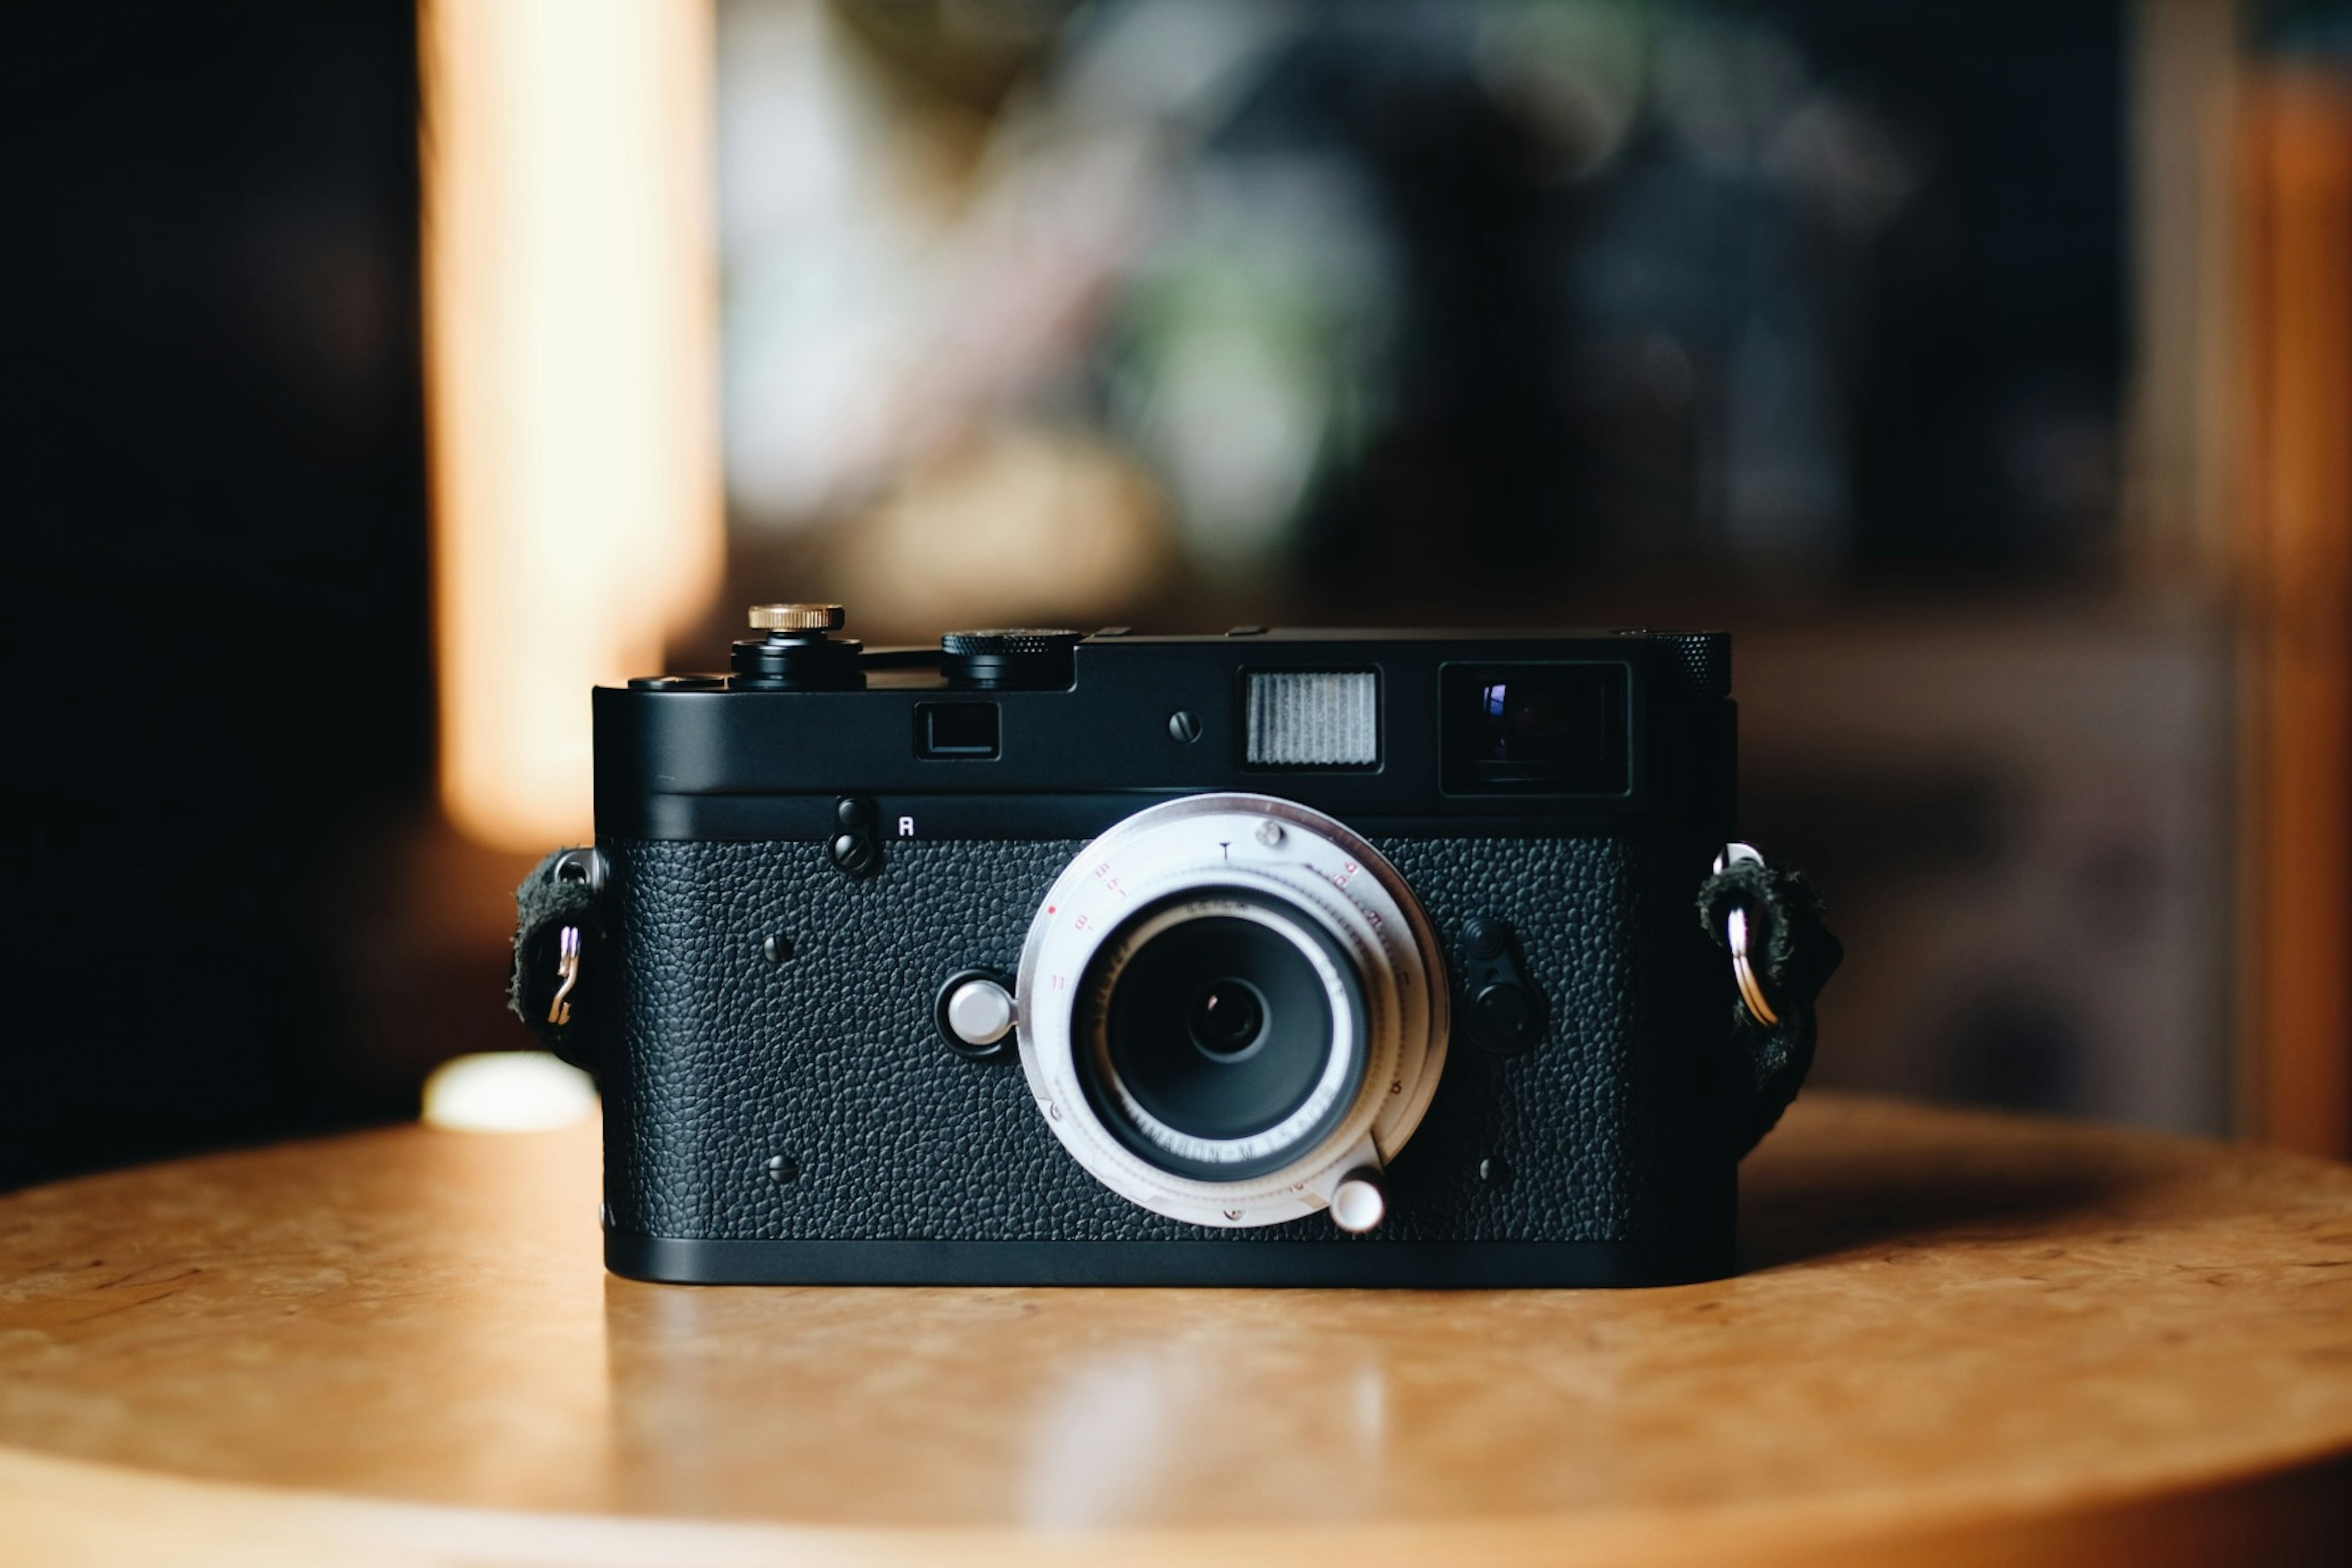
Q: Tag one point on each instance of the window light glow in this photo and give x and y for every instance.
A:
(571, 353)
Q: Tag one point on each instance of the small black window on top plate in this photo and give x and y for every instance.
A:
(958, 729)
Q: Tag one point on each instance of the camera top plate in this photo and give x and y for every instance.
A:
(1416, 730)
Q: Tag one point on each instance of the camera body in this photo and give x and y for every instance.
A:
(1269, 958)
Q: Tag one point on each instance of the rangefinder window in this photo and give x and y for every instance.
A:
(1534, 729)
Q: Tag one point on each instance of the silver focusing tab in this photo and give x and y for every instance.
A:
(1314, 718)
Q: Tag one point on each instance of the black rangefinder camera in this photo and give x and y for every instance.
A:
(1268, 958)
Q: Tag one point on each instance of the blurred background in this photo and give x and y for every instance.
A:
(390, 375)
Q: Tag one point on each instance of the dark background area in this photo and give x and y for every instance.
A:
(1967, 348)
(221, 685)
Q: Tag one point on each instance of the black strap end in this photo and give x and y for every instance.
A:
(559, 893)
(1793, 955)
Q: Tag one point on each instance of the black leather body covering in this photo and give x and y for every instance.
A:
(912, 1163)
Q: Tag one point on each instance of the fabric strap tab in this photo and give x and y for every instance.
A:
(545, 903)
(1794, 955)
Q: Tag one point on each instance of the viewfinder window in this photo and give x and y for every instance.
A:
(962, 729)
(1536, 729)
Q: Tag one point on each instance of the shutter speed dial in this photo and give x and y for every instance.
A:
(1035, 659)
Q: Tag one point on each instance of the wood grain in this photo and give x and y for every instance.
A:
(1959, 1336)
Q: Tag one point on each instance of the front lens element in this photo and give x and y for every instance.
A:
(1193, 1042)
(1226, 1033)
(1228, 1018)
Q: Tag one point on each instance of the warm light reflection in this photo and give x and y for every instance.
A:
(571, 320)
(507, 1091)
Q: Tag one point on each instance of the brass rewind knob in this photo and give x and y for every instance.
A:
(797, 618)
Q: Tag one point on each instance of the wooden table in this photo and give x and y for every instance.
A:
(1959, 1336)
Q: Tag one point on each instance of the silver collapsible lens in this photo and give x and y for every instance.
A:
(1227, 1004)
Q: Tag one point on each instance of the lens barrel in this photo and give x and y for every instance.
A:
(1227, 1002)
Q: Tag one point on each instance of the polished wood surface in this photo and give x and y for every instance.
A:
(1957, 1336)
